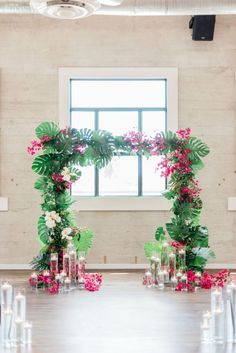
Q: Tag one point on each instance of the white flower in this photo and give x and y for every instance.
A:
(66, 174)
(51, 218)
(65, 233)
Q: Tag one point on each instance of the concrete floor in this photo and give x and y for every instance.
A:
(123, 316)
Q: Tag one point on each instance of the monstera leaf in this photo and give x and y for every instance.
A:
(160, 234)
(45, 164)
(83, 240)
(64, 201)
(43, 231)
(48, 128)
(205, 253)
(150, 248)
(41, 183)
(198, 148)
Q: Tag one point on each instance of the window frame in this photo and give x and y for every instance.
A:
(120, 203)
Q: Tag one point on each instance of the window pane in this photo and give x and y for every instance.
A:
(80, 120)
(153, 183)
(120, 177)
(118, 123)
(118, 93)
(85, 185)
(153, 121)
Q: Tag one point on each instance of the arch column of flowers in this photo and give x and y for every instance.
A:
(64, 151)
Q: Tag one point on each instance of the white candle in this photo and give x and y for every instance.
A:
(27, 332)
(18, 336)
(34, 275)
(218, 325)
(161, 280)
(20, 306)
(67, 283)
(6, 295)
(46, 273)
(6, 316)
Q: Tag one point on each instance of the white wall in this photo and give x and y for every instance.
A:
(31, 50)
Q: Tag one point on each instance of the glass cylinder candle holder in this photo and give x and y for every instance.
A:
(27, 332)
(173, 282)
(20, 305)
(216, 298)
(6, 294)
(67, 284)
(6, 326)
(182, 259)
(161, 283)
(184, 281)
(172, 264)
(81, 284)
(54, 263)
(72, 272)
(179, 276)
(218, 325)
(206, 333)
(155, 266)
(81, 263)
(164, 256)
(230, 313)
(18, 332)
(148, 278)
(66, 264)
(166, 276)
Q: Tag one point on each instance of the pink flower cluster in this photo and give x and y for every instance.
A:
(80, 148)
(191, 193)
(92, 282)
(177, 245)
(184, 133)
(37, 145)
(58, 178)
(206, 281)
(135, 139)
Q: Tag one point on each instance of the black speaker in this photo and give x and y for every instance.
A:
(203, 27)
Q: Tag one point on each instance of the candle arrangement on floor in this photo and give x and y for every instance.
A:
(15, 329)
(219, 324)
(168, 270)
(71, 276)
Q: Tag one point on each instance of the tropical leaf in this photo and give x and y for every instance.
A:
(71, 218)
(205, 253)
(83, 240)
(41, 183)
(64, 201)
(151, 248)
(47, 128)
(160, 234)
(85, 135)
(45, 164)
(43, 231)
(198, 148)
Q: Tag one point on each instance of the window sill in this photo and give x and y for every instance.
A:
(152, 203)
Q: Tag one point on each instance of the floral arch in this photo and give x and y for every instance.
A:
(64, 150)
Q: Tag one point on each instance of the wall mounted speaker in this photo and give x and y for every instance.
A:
(203, 27)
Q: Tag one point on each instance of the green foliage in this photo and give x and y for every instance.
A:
(160, 234)
(64, 201)
(151, 248)
(43, 231)
(83, 240)
(45, 164)
(47, 128)
(198, 148)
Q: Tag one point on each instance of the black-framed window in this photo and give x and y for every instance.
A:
(118, 106)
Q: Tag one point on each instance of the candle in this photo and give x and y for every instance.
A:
(6, 295)
(174, 282)
(67, 283)
(46, 273)
(66, 264)
(218, 325)
(164, 256)
(18, 331)
(166, 276)
(19, 307)
(179, 276)
(161, 284)
(6, 319)
(172, 264)
(81, 266)
(34, 275)
(182, 259)
(27, 332)
(54, 263)
(72, 273)
(58, 278)
(216, 298)
(231, 313)
(155, 265)
(206, 333)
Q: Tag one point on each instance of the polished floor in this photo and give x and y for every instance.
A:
(123, 317)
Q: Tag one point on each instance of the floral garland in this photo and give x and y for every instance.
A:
(67, 148)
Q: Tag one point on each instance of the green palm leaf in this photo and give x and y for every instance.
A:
(83, 240)
(198, 148)
(45, 164)
(43, 231)
(47, 128)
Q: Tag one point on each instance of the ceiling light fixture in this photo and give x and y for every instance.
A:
(70, 9)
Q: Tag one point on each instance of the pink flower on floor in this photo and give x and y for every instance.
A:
(93, 281)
